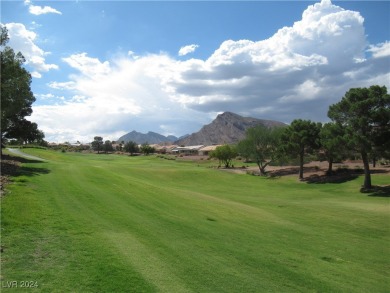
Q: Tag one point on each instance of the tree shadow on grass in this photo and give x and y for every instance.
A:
(319, 176)
(11, 166)
(376, 190)
(335, 178)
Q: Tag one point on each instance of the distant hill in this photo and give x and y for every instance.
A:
(226, 128)
(150, 137)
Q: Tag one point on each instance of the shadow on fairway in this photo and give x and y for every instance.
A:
(379, 191)
(319, 177)
(336, 178)
(10, 166)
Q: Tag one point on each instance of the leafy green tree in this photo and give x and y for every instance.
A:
(225, 154)
(131, 147)
(120, 146)
(107, 146)
(97, 143)
(300, 138)
(146, 149)
(26, 132)
(16, 94)
(334, 143)
(365, 114)
(260, 145)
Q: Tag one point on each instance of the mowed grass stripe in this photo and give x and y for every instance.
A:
(157, 225)
(66, 229)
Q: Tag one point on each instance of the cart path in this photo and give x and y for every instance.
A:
(24, 155)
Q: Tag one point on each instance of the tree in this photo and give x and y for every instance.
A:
(120, 146)
(16, 94)
(131, 147)
(300, 138)
(365, 114)
(225, 154)
(260, 145)
(146, 149)
(107, 146)
(97, 143)
(26, 132)
(333, 143)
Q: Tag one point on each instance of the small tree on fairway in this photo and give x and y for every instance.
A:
(260, 145)
(299, 138)
(225, 154)
(97, 143)
(131, 147)
(365, 114)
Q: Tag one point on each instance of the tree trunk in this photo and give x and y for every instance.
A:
(301, 155)
(367, 175)
(262, 168)
(330, 167)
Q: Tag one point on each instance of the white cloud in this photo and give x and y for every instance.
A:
(67, 85)
(87, 65)
(23, 40)
(296, 73)
(380, 50)
(187, 49)
(45, 96)
(111, 98)
(38, 10)
(297, 64)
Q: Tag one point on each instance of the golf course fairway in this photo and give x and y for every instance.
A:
(112, 223)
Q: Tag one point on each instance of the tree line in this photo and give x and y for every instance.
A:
(130, 147)
(360, 123)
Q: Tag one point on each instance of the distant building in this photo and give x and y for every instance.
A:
(205, 151)
(187, 150)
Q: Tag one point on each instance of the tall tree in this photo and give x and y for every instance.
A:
(333, 143)
(107, 146)
(131, 147)
(365, 114)
(16, 94)
(97, 143)
(260, 145)
(301, 137)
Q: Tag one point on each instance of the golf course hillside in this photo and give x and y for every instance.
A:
(113, 223)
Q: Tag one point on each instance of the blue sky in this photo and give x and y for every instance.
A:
(109, 67)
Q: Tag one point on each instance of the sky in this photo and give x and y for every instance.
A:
(105, 68)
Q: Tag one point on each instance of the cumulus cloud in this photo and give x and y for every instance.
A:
(380, 50)
(23, 40)
(296, 73)
(296, 64)
(113, 97)
(38, 10)
(187, 49)
(87, 65)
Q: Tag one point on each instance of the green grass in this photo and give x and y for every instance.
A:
(107, 223)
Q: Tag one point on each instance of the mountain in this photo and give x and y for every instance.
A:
(150, 137)
(226, 128)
